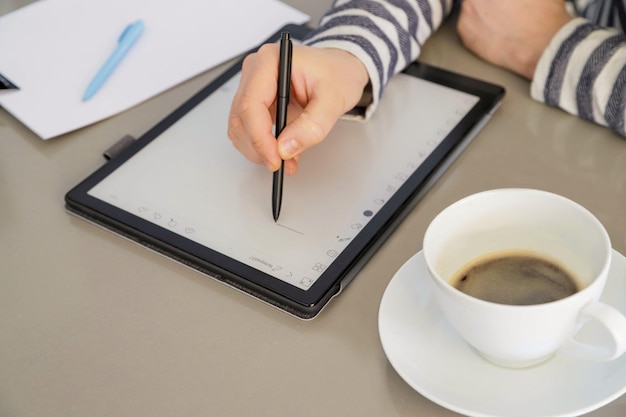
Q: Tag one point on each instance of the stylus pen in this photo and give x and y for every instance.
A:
(282, 101)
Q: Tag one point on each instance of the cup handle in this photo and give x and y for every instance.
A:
(615, 324)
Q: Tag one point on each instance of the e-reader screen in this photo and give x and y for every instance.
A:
(187, 187)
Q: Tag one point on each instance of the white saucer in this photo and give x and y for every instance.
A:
(429, 355)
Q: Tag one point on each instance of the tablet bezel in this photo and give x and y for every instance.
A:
(308, 303)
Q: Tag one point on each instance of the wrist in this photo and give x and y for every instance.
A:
(528, 63)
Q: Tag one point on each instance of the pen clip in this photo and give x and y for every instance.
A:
(134, 27)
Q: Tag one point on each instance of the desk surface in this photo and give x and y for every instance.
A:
(93, 325)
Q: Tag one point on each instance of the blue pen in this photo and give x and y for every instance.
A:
(125, 42)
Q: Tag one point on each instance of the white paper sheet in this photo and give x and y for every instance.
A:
(51, 50)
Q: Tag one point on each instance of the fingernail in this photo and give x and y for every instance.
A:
(288, 148)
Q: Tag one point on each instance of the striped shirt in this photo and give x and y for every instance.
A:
(582, 71)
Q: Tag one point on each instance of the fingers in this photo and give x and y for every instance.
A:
(291, 165)
(325, 83)
(250, 130)
(250, 121)
(331, 85)
(309, 128)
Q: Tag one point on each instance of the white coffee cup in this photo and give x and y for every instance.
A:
(531, 221)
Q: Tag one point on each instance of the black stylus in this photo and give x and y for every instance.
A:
(282, 101)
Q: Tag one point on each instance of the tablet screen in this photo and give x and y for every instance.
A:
(191, 181)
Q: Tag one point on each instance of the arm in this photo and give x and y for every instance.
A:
(359, 46)
(385, 35)
(583, 71)
(573, 64)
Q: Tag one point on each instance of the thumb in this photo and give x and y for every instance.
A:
(308, 129)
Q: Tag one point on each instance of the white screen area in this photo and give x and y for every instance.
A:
(192, 181)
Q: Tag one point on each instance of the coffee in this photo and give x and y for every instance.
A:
(516, 278)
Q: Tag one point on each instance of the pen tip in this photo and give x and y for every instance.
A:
(276, 211)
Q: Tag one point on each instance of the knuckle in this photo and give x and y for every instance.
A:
(248, 61)
(266, 48)
(234, 127)
(235, 122)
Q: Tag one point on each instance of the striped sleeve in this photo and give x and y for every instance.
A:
(583, 71)
(385, 35)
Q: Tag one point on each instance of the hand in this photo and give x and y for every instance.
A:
(325, 84)
(511, 34)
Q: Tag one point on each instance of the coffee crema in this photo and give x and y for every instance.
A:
(515, 278)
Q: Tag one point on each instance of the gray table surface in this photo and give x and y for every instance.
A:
(93, 325)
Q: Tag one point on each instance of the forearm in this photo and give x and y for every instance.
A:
(385, 35)
(583, 71)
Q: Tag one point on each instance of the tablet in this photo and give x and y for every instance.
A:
(183, 190)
